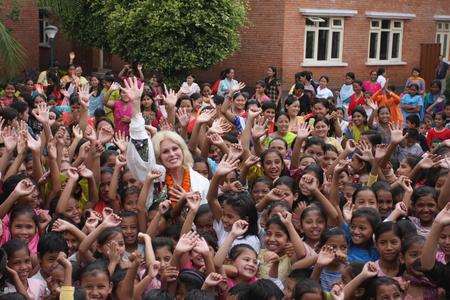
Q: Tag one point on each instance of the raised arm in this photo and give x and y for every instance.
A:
(142, 200)
(299, 245)
(303, 132)
(239, 228)
(428, 258)
(67, 192)
(227, 165)
(23, 188)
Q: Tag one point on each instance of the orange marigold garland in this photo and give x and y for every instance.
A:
(186, 183)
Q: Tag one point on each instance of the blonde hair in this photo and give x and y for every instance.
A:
(160, 136)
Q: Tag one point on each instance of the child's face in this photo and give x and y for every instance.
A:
(202, 168)
(439, 121)
(361, 230)
(328, 159)
(366, 198)
(269, 114)
(272, 165)
(384, 115)
(287, 193)
(55, 281)
(305, 162)
(239, 102)
(72, 242)
(444, 240)
(198, 103)
(389, 292)
(388, 245)
(411, 256)
(279, 146)
(404, 169)
(147, 101)
(348, 192)
(357, 119)
(343, 180)
(23, 228)
(289, 285)
(246, 264)
(204, 224)
(130, 202)
(447, 111)
(348, 80)
(276, 239)
(434, 89)
(425, 209)
(412, 90)
(320, 110)
(129, 180)
(315, 151)
(129, 227)
(97, 285)
(385, 202)
(73, 211)
(163, 255)
(20, 262)
(313, 224)
(339, 245)
(47, 263)
(9, 91)
(116, 238)
(321, 129)
(283, 123)
(197, 259)
(105, 179)
(229, 216)
(260, 189)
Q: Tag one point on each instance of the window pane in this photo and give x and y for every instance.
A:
(309, 22)
(438, 38)
(335, 44)
(395, 45)
(309, 51)
(398, 24)
(385, 24)
(446, 26)
(375, 24)
(444, 44)
(326, 23)
(322, 45)
(373, 45)
(337, 22)
(439, 25)
(384, 45)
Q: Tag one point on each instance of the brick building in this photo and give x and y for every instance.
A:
(335, 36)
(327, 37)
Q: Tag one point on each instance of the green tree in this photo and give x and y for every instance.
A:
(172, 36)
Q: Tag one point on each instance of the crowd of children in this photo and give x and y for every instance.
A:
(120, 188)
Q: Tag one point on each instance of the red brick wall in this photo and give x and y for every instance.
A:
(261, 44)
(277, 29)
(25, 30)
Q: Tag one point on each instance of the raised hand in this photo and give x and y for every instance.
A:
(254, 112)
(201, 246)
(169, 274)
(347, 211)
(373, 105)
(397, 135)
(121, 141)
(235, 151)
(310, 182)
(73, 173)
(406, 184)
(187, 242)
(215, 138)
(285, 217)
(183, 117)
(206, 116)
(337, 291)
(77, 133)
(193, 201)
(113, 252)
(132, 89)
(430, 160)
(177, 192)
(171, 98)
(239, 228)
(401, 208)
(90, 134)
(105, 135)
(61, 225)
(112, 220)
(153, 174)
(34, 145)
(326, 256)
(24, 187)
(220, 126)
(350, 146)
(369, 270)
(10, 137)
(226, 165)
(22, 142)
(303, 131)
(214, 279)
(380, 151)
(251, 160)
(164, 207)
(153, 270)
(84, 95)
(259, 128)
(443, 217)
(85, 172)
(41, 113)
(366, 151)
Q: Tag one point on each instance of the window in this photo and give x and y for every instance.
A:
(323, 39)
(385, 40)
(43, 22)
(443, 37)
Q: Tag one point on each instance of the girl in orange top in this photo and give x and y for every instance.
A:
(385, 97)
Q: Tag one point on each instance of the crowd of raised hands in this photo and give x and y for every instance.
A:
(118, 187)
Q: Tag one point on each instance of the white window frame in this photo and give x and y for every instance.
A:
(443, 30)
(43, 39)
(331, 28)
(392, 30)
